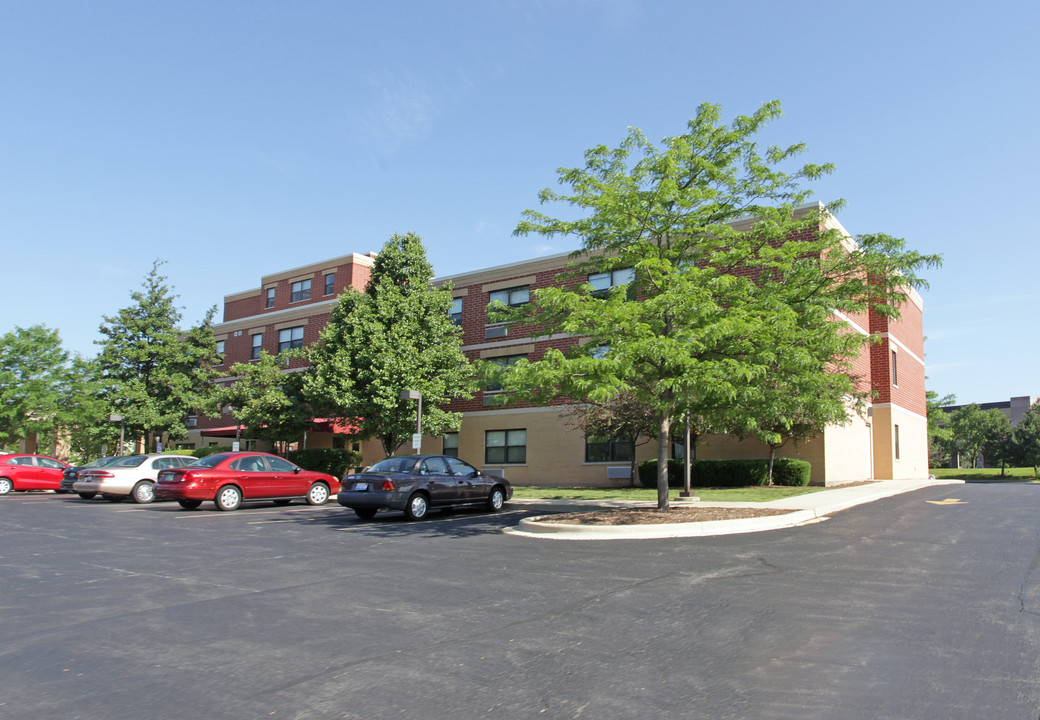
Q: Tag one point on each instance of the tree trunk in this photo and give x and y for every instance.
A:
(772, 456)
(664, 438)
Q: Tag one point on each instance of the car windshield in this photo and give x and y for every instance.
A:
(210, 461)
(394, 465)
(133, 461)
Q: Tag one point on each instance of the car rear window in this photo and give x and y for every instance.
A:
(211, 461)
(134, 461)
(394, 465)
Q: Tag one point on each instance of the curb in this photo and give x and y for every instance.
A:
(821, 509)
(533, 527)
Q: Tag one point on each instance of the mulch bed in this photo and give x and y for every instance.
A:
(653, 516)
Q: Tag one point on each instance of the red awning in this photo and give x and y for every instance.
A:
(329, 425)
(228, 431)
(332, 425)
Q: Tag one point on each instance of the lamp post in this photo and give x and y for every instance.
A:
(417, 437)
(113, 417)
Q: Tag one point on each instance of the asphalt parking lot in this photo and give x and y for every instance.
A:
(913, 606)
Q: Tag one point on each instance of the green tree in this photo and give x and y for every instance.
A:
(267, 399)
(997, 447)
(673, 224)
(85, 411)
(396, 335)
(152, 372)
(33, 373)
(970, 428)
(939, 436)
(1026, 439)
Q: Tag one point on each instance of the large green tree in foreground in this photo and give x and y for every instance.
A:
(152, 372)
(396, 335)
(697, 233)
(34, 377)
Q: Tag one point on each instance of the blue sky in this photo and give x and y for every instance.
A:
(234, 139)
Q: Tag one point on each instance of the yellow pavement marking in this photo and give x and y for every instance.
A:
(947, 501)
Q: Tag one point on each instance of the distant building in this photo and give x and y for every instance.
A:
(1015, 408)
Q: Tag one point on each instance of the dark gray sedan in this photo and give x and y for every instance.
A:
(418, 483)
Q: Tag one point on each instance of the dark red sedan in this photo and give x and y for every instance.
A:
(30, 472)
(229, 479)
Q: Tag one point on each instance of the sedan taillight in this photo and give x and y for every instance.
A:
(388, 486)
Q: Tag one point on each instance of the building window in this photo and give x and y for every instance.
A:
(895, 371)
(602, 282)
(601, 449)
(511, 296)
(504, 361)
(456, 311)
(598, 352)
(896, 438)
(220, 352)
(330, 283)
(502, 447)
(301, 291)
(258, 345)
(451, 445)
(290, 338)
(269, 303)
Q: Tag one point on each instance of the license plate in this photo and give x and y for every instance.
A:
(360, 486)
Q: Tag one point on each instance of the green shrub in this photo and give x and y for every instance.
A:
(791, 472)
(333, 461)
(648, 473)
(729, 473)
(207, 451)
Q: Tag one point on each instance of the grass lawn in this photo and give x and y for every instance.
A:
(748, 494)
(1011, 474)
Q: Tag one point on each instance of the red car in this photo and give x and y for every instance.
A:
(30, 472)
(229, 479)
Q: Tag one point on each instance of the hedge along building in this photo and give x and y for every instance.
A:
(538, 445)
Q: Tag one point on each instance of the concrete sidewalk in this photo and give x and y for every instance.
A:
(804, 509)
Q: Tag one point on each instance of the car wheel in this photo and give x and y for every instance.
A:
(189, 504)
(6, 486)
(114, 498)
(365, 513)
(87, 495)
(318, 494)
(418, 507)
(283, 502)
(496, 499)
(143, 493)
(228, 497)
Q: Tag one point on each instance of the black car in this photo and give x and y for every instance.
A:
(417, 483)
(71, 474)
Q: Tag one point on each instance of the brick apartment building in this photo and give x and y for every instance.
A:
(535, 445)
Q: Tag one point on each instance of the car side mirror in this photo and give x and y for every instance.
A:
(296, 470)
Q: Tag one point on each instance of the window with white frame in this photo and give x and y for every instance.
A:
(269, 302)
(301, 290)
(603, 449)
(330, 283)
(520, 295)
(602, 282)
(503, 447)
(220, 352)
(290, 338)
(258, 346)
(455, 313)
(503, 362)
(451, 445)
(895, 370)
